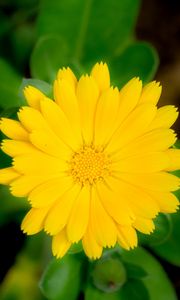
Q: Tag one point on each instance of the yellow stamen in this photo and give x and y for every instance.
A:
(88, 165)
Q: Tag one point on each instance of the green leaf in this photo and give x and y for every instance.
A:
(136, 290)
(170, 249)
(137, 59)
(156, 281)
(134, 271)
(9, 85)
(93, 30)
(62, 278)
(49, 54)
(108, 274)
(89, 37)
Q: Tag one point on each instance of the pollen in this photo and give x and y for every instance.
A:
(89, 165)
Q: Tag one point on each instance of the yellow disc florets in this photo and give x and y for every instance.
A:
(89, 165)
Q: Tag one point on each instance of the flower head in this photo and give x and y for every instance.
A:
(94, 162)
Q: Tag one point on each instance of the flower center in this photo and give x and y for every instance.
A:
(88, 165)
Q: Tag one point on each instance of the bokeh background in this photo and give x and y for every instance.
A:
(159, 23)
(25, 53)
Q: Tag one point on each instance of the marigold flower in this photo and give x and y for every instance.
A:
(94, 163)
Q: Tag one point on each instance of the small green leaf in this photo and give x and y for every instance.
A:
(62, 278)
(136, 290)
(138, 59)
(134, 271)
(170, 249)
(109, 274)
(49, 54)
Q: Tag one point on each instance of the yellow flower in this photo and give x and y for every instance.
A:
(94, 163)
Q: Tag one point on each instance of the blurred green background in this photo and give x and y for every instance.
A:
(136, 38)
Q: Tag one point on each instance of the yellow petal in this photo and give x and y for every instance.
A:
(100, 73)
(33, 96)
(58, 216)
(22, 186)
(68, 75)
(58, 122)
(167, 202)
(134, 126)
(127, 237)
(165, 117)
(48, 192)
(102, 225)
(92, 249)
(128, 98)
(60, 244)
(138, 200)
(34, 220)
(162, 181)
(7, 175)
(36, 164)
(143, 163)
(151, 93)
(87, 94)
(174, 158)
(32, 119)
(115, 206)
(49, 143)
(144, 225)
(106, 115)
(13, 129)
(66, 98)
(122, 242)
(16, 148)
(79, 217)
(156, 140)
